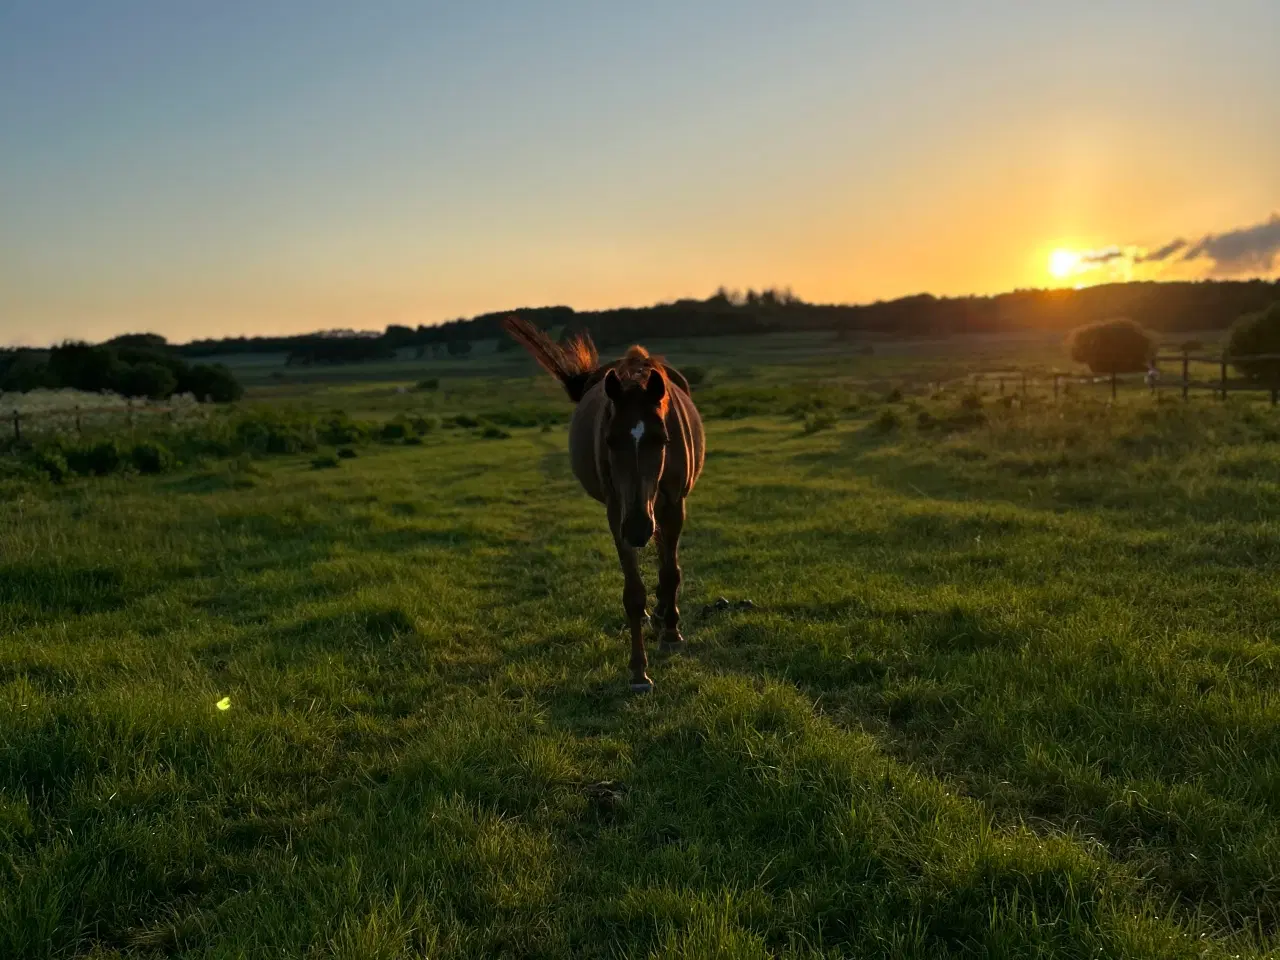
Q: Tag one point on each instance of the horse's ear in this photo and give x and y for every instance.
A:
(656, 388)
(612, 385)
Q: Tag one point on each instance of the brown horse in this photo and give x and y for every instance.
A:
(636, 445)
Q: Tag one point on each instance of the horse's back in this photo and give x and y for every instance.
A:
(585, 441)
(687, 450)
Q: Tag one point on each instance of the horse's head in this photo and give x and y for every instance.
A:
(636, 437)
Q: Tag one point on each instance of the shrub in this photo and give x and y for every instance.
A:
(213, 383)
(888, 420)
(346, 453)
(816, 422)
(327, 462)
(423, 425)
(492, 431)
(97, 460)
(1112, 346)
(695, 375)
(152, 380)
(150, 457)
(464, 420)
(393, 430)
(1254, 334)
(893, 396)
(52, 463)
(340, 428)
(269, 433)
(431, 383)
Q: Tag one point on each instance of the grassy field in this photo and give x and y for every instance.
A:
(1008, 687)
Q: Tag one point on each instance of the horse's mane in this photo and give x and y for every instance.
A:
(636, 364)
(577, 365)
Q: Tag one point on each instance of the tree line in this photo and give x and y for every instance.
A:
(133, 365)
(1164, 307)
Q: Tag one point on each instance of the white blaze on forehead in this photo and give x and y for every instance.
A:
(637, 432)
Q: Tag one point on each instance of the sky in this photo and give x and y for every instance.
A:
(206, 169)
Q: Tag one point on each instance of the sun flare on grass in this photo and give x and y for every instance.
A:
(1063, 263)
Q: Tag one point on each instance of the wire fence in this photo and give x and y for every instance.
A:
(80, 419)
(1020, 382)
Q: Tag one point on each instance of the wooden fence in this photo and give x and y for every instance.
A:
(1221, 385)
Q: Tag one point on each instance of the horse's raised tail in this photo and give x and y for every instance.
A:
(571, 364)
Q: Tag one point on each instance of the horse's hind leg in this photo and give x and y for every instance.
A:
(633, 601)
(670, 521)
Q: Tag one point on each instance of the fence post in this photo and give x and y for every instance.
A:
(17, 426)
(1186, 375)
(1000, 380)
(1024, 385)
(1113, 386)
(1224, 378)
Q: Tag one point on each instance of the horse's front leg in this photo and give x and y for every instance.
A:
(670, 521)
(633, 601)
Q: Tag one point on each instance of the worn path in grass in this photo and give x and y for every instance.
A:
(1004, 692)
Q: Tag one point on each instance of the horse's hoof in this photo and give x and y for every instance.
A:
(672, 640)
(644, 687)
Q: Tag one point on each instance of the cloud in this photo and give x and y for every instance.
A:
(1105, 255)
(1163, 253)
(1247, 249)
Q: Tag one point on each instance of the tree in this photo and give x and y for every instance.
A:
(84, 367)
(213, 383)
(1112, 346)
(152, 380)
(23, 370)
(151, 341)
(1252, 335)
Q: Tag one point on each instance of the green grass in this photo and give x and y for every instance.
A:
(1007, 689)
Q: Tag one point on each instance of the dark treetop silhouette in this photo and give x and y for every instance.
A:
(636, 445)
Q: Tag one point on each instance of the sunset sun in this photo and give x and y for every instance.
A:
(1063, 263)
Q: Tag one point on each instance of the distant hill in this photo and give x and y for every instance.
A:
(1165, 307)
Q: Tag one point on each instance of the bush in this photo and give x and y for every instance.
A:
(213, 383)
(393, 430)
(152, 380)
(1253, 334)
(887, 421)
(98, 460)
(52, 463)
(816, 422)
(326, 462)
(151, 457)
(464, 420)
(340, 428)
(431, 383)
(423, 425)
(1112, 346)
(492, 431)
(346, 453)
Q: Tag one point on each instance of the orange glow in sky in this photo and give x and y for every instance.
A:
(286, 168)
